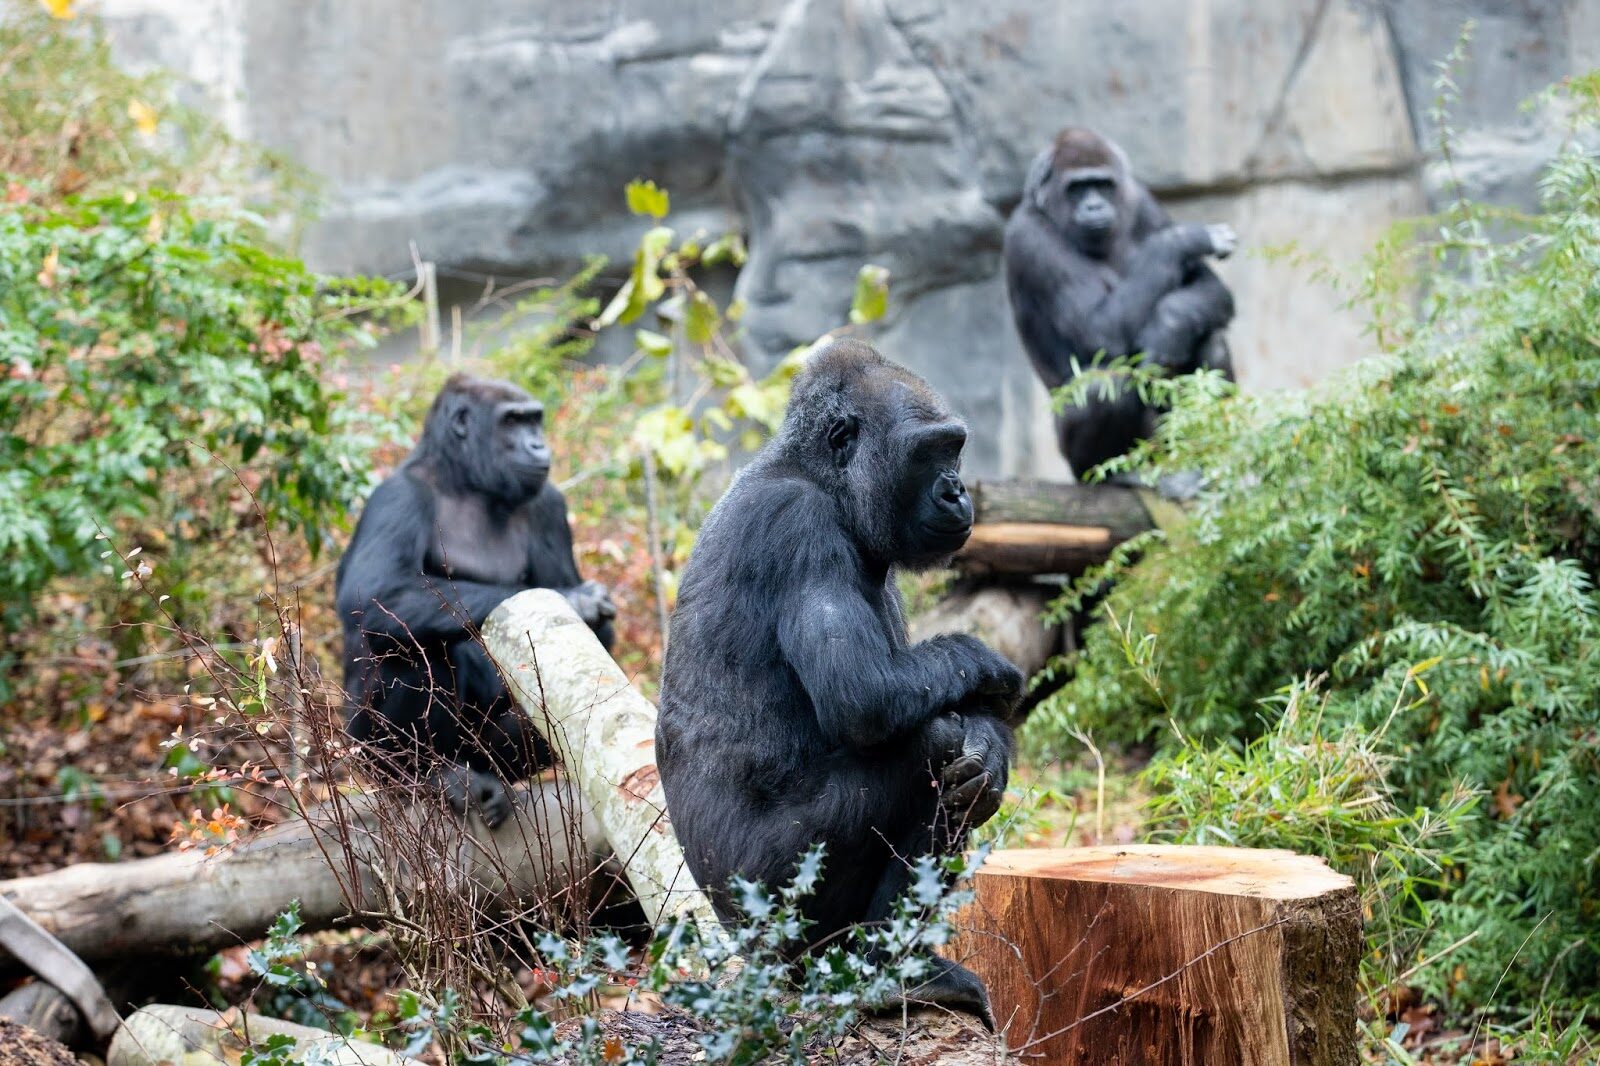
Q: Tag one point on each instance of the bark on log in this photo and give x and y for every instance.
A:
(1116, 508)
(162, 1033)
(1026, 527)
(1167, 956)
(1005, 617)
(185, 902)
(604, 732)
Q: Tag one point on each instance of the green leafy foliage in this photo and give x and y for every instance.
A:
(73, 122)
(749, 1000)
(1424, 533)
(702, 405)
(144, 350)
(292, 988)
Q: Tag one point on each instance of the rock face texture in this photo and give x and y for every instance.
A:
(497, 135)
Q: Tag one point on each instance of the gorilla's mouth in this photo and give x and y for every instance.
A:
(951, 530)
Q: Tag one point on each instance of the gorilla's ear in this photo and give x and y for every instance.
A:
(842, 437)
(461, 420)
(1038, 174)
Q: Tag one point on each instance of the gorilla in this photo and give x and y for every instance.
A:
(793, 709)
(1094, 265)
(468, 520)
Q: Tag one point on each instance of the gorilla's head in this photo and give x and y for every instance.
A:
(486, 437)
(1081, 184)
(887, 449)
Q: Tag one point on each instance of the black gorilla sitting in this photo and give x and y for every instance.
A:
(1094, 265)
(793, 710)
(468, 520)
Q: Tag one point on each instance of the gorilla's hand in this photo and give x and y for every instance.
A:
(996, 684)
(1223, 239)
(974, 782)
(592, 601)
(468, 789)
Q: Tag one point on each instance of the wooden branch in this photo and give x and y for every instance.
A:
(1179, 955)
(605, 735)
(56, 964)
(1026, 527)
(185, 902)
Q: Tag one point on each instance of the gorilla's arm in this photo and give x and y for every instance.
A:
(385, 586)
(1183, 319)
(864, 689)
(1063, 300)
(553, 565)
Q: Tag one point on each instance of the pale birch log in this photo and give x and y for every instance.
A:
(605, 735)
(161, 1034)
(186, 902)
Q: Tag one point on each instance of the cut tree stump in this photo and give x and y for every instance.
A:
(1167, 956)
(1027, 527)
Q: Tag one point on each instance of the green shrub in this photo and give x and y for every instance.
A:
(150, 361)
(72, 122)
(1425, 531)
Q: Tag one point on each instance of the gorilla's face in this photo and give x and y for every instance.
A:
(519, 445)
(498, 437)
(935, 511)
(1089, 207)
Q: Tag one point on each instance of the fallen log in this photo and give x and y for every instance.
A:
(187, 903)
(604, 733)
(1030, 527)
(161, 1033)
(1167, 955)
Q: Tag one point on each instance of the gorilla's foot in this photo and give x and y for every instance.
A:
(954, 987)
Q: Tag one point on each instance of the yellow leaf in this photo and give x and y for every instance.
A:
(59, 9)
(144, 116)
(47, 276)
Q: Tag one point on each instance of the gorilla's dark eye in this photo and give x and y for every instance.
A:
(842, 438)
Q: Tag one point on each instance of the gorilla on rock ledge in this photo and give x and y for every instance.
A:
(469, 520)
(1094, 265)
(794, 709)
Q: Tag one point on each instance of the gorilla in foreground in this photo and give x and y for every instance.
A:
(467, 521)
(1094, 265)
(793, 709)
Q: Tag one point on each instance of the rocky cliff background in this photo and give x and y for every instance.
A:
(497, 135)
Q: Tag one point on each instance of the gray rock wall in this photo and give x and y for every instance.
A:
(497, 135)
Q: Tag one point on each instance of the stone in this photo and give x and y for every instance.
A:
(497, 135)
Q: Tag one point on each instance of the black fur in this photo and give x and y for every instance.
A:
(467, 521)
(793, 710)
(1094, 265)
